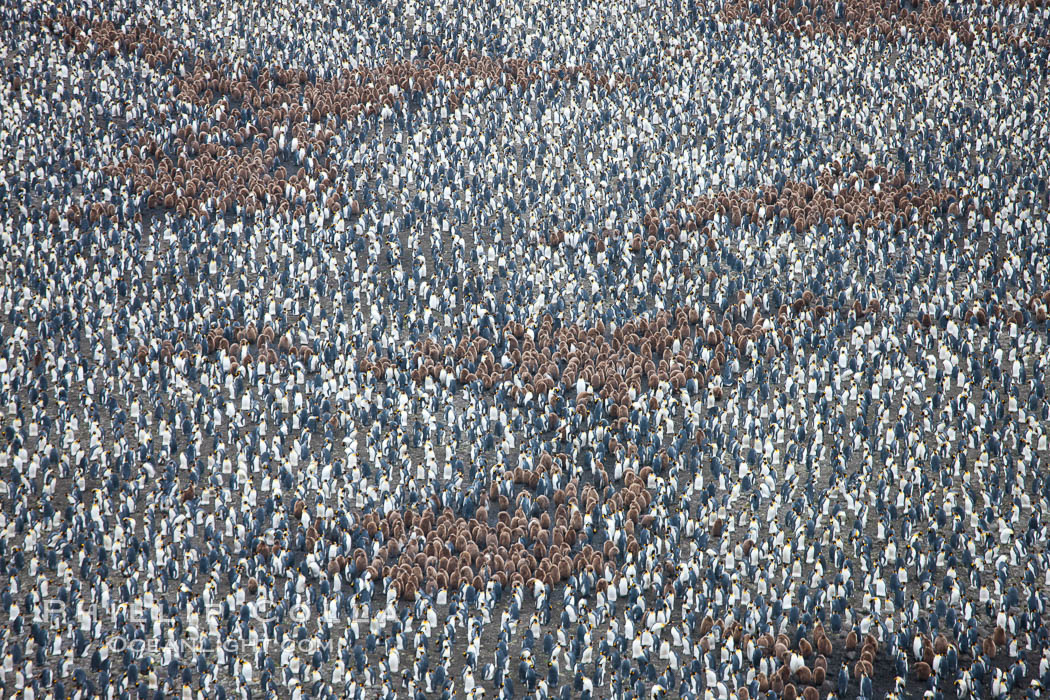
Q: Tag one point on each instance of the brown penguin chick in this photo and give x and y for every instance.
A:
(790, 692)
(805, 648)
(999, 636)
(851, 641)
(811, 693)
(819, 675)
(716, 528)
(988, 647)
(870, 641)
(188, 493)
(824, 646)
(922, 671)
(940, 645)
(776, 684)
(253, 585)
(804, 675)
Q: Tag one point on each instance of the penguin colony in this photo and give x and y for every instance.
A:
(524, 350)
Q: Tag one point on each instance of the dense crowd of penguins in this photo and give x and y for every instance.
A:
(648, 348)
